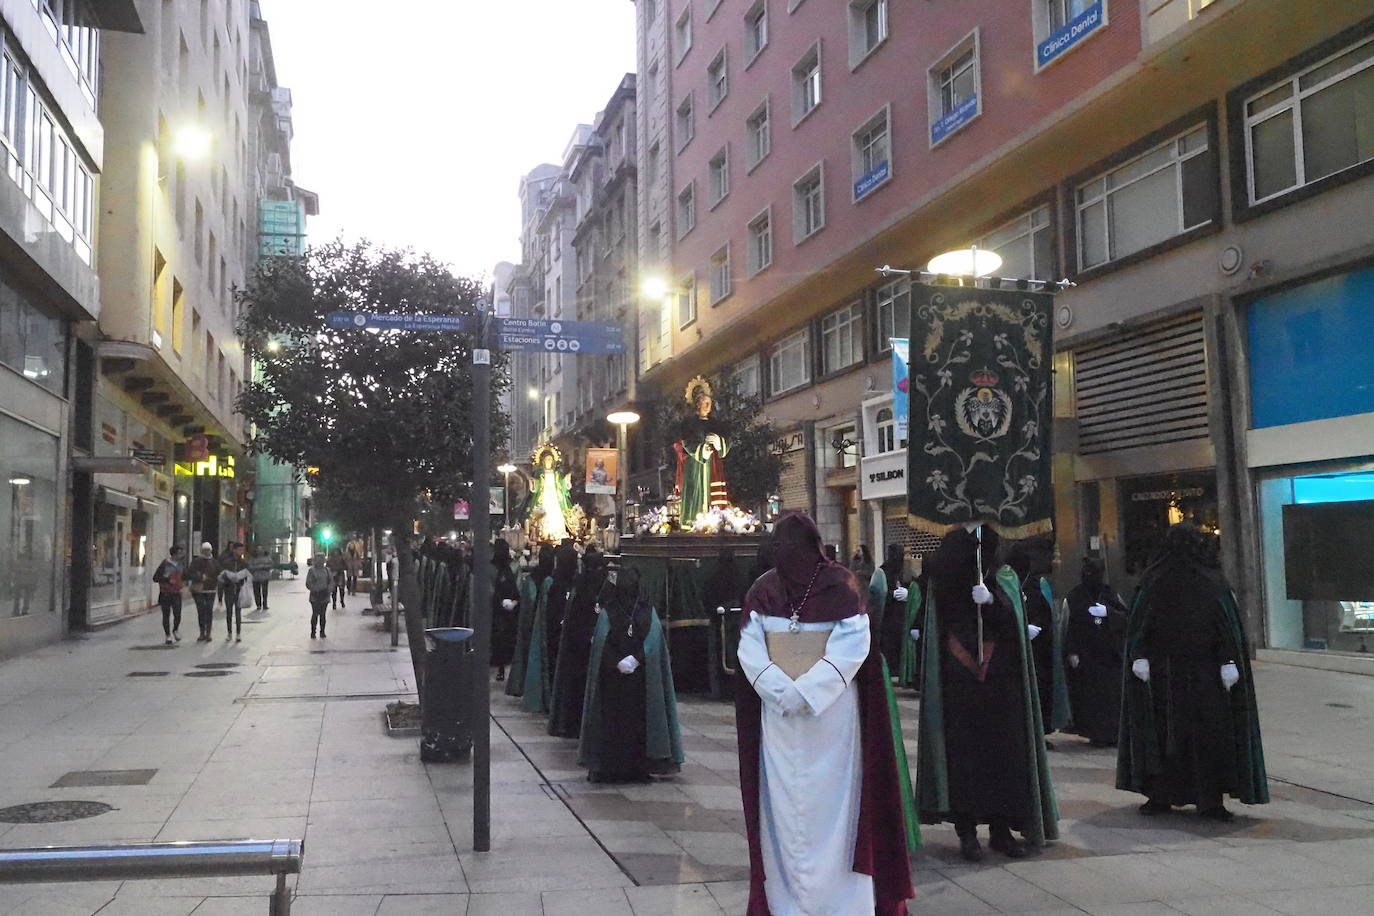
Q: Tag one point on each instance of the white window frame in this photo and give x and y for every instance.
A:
(722, 284)
(682, 35)
(717, 81)
(761, 241)
(800, 232)
(1023, 226)
(685, 300)
(801, 79)
(685, 125)
(886, 299)
(750, 368)
(715, 7)
(859, 48)
(718, 176)
(1043, 26)
(756, 26)
(848, 320)
(1176, 162)
(970, 42)
(759, 149)
(686, 209)
(798, 340)
(858, 147)
(1293, 102)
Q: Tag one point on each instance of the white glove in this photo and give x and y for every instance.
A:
(1033, 630)
(627, 665)
(1074, 661)
(1141, 669)
(720, 609)
(1098, 610)
(792, 703)
(915, 634)
(900, 593)
(1230, 675)
(981, 595)
(508, 604)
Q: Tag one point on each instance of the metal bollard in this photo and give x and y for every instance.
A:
(213, 859)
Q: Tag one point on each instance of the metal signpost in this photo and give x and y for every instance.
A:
(511, 334)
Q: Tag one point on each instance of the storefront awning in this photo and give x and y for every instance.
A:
(108, 464)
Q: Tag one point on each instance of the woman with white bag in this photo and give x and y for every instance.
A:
(236, 587)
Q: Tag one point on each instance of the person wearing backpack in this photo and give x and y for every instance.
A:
(203, 574)
(319, 581)
(170, 579)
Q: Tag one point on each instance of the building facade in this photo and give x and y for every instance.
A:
(1198, 169)
(53, 142)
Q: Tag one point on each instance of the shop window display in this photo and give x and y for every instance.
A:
(1317, 533)
(28, 505)
(1149, 505)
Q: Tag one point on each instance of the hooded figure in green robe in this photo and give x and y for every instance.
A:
(1190, 731)
(531, 586)
(881, 603)
(981, 754)
(630, 728)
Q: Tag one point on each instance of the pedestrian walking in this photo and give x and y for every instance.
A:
(203, 574)
(319, 582)
(818, 769)
(1190, 731)
(505, 608)
(170, 577)
(339, 574)
(353, 565)
(260, 568)
(235, 590)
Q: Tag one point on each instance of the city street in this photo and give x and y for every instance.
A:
(279, 736)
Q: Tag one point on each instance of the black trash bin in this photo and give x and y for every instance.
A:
(446, 725)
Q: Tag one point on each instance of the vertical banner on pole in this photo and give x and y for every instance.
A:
(901, 386)
(981, 410)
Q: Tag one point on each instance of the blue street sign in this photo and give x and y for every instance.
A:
(522, 342)
(555, 327)
(1073, 32)
(874, 177)
(964, 112)
(363, 320)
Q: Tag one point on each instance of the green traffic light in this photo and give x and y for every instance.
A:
(327, 535)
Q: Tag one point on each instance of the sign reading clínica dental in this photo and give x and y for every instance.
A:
(964, 112)
(874, 177)
(1067, 37)
(981, 407)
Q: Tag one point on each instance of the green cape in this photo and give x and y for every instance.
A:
(932, 768)
(535, 697)
(877, 601)
(529, 597)
(1138, 755)
(1062, 714)
(663, 735)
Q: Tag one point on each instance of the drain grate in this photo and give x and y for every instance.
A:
(87, 778)
(1340, 705)
(208, 673)
(216, 666)
(157, 648)
(148, 674)
(52, 812)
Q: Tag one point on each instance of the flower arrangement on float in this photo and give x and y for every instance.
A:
(655, 522)
(725, 520)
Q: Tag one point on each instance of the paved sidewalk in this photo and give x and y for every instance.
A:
(279, 736)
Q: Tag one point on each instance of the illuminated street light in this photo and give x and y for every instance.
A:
(273, 346)
(623, 419)
(507, 469)
(966, 262)
(533, 394)
(193, 142)
(654, 288)
(20, 481)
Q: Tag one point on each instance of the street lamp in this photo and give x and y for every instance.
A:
(507, 469)
(966, 262)
(192, 142)
(623, 419)
(654, 288)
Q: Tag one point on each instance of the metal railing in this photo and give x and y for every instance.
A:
(213, 859)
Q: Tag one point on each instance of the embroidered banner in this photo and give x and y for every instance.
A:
(981, 410)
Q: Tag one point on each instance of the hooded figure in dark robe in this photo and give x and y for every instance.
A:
(1032, 561)
(532, 586)
(890, 623)
(575, 647)
(1094, 640)
(505, 608)
(630, 729)
(564, 575)
(1190, 731)
(981, 757)
(818, 767)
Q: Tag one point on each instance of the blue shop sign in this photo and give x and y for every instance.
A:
(874, 177)
(1068, 37)
(961, 115)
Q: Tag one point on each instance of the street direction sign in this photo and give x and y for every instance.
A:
(520, 342)
(362, 320)
(554, 327)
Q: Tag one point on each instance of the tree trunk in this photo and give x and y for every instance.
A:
(409, 596)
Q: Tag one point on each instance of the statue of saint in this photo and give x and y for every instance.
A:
(700, 468)
(551, 508)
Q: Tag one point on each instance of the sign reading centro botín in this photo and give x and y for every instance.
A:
(536, 335)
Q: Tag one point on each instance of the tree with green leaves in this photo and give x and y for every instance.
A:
(754, 467)
(383, 415)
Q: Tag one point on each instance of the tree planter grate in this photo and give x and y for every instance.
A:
(207, 673)
(52, 812)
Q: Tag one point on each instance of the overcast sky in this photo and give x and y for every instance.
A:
(416, 118)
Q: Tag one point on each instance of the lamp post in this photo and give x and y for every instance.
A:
(622, 419)
(507, 469)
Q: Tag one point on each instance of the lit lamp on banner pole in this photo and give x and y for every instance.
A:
(507, 469)
(622, 419)
(966, 262)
